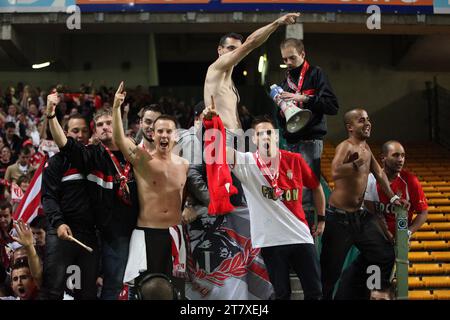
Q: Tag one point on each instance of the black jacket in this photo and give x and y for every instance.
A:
(62, 189)
(322, 102)
(113, 217)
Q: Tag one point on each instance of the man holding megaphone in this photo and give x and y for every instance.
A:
(305, 87)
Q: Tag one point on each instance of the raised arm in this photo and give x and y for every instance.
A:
(126, 146)
(25, 238)
(253, 41)
(55, 128)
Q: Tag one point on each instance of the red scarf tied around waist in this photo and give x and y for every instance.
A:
(220, 184)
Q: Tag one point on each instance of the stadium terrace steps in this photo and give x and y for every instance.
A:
(440, 226)
(429, 295)
(429, 245)
(429, 281)
(429, 268)
(429, 256)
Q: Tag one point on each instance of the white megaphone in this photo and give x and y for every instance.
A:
(296, 118)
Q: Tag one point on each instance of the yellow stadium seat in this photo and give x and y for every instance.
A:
(428, 268)
(441, 294)
(429, 245)
(438, 226)
(420, 256)
(446, 268)
(440, 201)
(426, 235)
(415, 282)
(436, 281)
(445, 209)
(441, 256)
(420, 295)
(438, 217)
(436, 180)
(439, 183)
(430, 195)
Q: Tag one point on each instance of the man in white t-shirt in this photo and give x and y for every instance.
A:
(272, 180)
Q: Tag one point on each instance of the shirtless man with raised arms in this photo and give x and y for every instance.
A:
(231, 50)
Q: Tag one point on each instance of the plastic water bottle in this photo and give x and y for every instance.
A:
(275, 94)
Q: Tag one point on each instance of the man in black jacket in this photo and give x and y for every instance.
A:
(309, 88)
(112, 189)
(64, 190)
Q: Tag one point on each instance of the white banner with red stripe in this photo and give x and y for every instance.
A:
(28, 207)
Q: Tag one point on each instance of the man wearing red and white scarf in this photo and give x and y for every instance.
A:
(309, 88)
(272, 180)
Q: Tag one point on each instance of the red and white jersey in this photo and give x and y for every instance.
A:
(406, 186)
(282, 221)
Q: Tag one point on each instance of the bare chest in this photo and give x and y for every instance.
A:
(164, 176)
(361, 152)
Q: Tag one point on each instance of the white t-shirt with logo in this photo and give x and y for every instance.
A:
(272, 223)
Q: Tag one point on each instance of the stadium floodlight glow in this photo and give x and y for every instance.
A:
(261, 63)
(283, 66)
(245, 73)
(40, 65)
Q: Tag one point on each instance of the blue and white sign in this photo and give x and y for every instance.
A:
(441, 6)
(35, 5)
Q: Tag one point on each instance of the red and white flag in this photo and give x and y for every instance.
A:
(30, 204)
(16, 193)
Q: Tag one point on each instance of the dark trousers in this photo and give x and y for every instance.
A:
(311, 151)
(59, 255)
(353, 283)
(114, 262)
(303, 259)
(362, 229)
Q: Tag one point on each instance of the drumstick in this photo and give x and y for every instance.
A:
(81, 244)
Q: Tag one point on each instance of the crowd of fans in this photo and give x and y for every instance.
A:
(24, 141)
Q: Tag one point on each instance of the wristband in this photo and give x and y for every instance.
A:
(394, 198)
(52, 116)
(320, 217)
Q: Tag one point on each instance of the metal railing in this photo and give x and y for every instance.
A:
(401, 253)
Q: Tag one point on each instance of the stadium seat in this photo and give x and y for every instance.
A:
(434, 195)
(420, 295)
(418, 256)
(428, 268)
(426, 235)
(429, 245)
(438, 226)
(442, 294)
(440, 256)
(440, 201)
(415, 282)
(435, 281)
